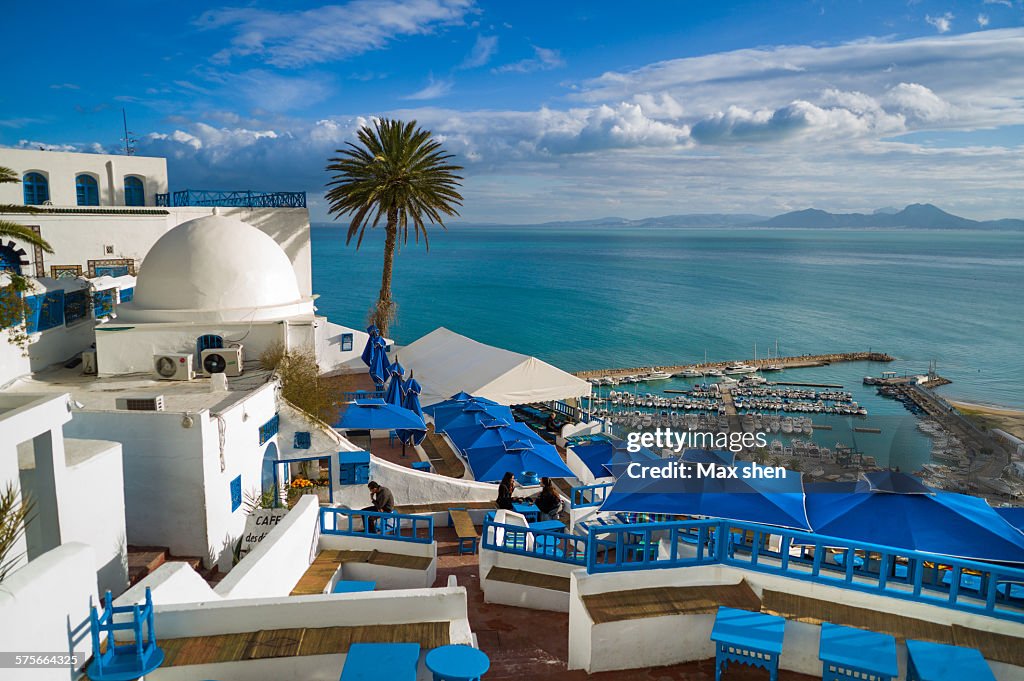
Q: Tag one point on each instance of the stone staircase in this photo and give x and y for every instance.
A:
(142, 560)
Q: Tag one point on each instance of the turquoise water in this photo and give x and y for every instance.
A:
(608, 297)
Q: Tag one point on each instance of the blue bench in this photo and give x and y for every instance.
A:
(350, 586)
(939, 662)
(750, 638)
(856, 655)
(375, 661)
(420, 466)
(465, 532)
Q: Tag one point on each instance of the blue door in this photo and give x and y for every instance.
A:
(267, 473)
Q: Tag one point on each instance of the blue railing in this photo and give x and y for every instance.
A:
(975, 587)
(525, 541)
(232, 199)
(589, 495)
(395, 526)
(362, 395)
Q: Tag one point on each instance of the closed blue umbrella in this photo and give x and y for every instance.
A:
(373, 333)
(919, 519)
(379, 364)
(396, 386)
(412, 403)
(745, 498)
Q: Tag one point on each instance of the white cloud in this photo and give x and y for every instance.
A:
(64, 86)
(434, 89)
(941, 23)
(1006, 3)
(982, 20)
(484, 48)
(289, 39)
(919, 102)
(544, 59)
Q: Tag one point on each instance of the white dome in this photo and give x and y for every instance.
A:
(215, 267)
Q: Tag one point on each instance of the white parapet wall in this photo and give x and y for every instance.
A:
(278, 562)
(41, 602)
(173, 582)
(519, 595)
(410, 486)
(659, 641)
(386, 576)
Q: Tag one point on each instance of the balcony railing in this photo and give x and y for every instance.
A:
(229, 199)
(418, 529)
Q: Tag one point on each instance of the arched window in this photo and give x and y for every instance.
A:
(37, 189)
(134, 192)
(88, 191)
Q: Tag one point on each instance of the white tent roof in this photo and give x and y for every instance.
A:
(445, 363)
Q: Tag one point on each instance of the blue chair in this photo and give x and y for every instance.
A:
(373, 661)
(125, 661)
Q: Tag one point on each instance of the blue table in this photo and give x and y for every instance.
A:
(349, 586)
(840, 559)
(548, 526)
(746, 637)
(529, 511)
(967, 581)
(857, 655)
(375, 661)
(939, 662)
(457, 663)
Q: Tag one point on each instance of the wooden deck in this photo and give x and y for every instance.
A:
(816, 611)
(318, 576)
(525, 578)
(442, 458)
(260, 645)
(616, 606)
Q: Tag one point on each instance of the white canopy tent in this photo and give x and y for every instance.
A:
(445, 363)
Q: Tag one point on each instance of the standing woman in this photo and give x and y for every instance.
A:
(505, 489)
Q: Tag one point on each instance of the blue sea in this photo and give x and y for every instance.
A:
(606, 297)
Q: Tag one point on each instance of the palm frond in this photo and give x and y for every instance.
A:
(15, 513)
(15, 231)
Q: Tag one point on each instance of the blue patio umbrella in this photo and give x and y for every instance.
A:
(1013, 515)
(396, 386)
(502, 431)
(377, 414)
(489, 463)
(770, 501)
(379, 363)
(455, 404)
(465, 434)
(412, 403)
(621, 458)
(470, 413)
(719, 457)
(373, 333)
(932, 520)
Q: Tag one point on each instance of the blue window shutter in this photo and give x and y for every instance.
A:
(134, 192)
(236, 493)
(87, 191)
(36, 189)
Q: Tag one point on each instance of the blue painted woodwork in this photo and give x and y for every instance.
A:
(270, 428)
(302, 440)
(35, 189)
(457, 663)
(103, 303)
(856, 655)
(750, 638)
(134, 191)
(353, 468)
(45, 311)
(87, 190)
(390, 526)
(938, 662)
(232, 199)
(376, 661)
(123, 661)
(236, 493)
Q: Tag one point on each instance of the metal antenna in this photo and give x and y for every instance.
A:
(129, 137)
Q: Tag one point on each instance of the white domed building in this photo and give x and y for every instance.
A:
(216, 277)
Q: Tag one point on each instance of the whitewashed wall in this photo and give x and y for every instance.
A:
(518, 595)
(172, 582)
(277, 563)
(414, 487)
(39, 602)
(658, 641)
(385, 576)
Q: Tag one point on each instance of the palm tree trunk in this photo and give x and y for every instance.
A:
(384, 312)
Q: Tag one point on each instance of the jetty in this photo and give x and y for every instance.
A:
(794, 362)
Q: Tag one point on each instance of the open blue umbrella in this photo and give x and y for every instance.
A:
(373, 333)
(412, 403)
(455, 403)
(376, 414)
(621, 458)
(919, 519)
(719, 457)
(489, 463)
(469, 413)
(396, 386)
(744, 498)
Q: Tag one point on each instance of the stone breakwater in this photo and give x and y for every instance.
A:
(785, 362)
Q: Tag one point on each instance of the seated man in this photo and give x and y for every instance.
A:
(381, 500)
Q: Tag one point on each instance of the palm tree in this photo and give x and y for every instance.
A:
(15, 512)
(400, 173)
(13, 229)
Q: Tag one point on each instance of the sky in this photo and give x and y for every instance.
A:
(556, 110)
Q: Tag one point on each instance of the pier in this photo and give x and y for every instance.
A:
(784, 362)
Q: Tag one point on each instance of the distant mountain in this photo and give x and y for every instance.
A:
(917, 215)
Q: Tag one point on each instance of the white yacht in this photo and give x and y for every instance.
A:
(657, 375)
(714, 372)
(689, 373)
(740, 368)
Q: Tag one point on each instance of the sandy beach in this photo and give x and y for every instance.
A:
(989, 416)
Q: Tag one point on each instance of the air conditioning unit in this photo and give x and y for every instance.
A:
(173, 367)
(89, 362)
(140, 403)
(222, 361)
